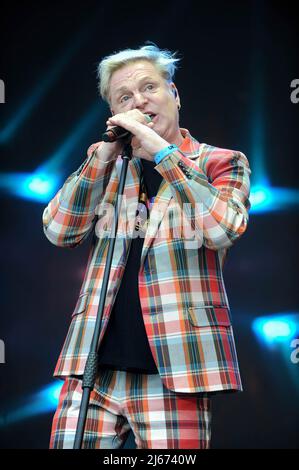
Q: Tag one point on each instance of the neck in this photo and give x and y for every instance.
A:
(178, 139)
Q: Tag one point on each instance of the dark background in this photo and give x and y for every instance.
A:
(238, 60)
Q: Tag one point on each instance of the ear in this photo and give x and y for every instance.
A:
(176, 94)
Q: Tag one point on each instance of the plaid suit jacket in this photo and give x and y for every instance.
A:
(182, 294)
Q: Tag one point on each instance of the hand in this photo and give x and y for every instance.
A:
(145, 142)
(108, 151)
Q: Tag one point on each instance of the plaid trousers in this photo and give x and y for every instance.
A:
(123, 401)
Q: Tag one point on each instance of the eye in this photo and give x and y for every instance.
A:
(150, 86)
(124, 98)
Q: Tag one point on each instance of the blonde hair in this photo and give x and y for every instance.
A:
(164, 60)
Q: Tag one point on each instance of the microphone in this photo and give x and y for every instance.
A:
(117, 132)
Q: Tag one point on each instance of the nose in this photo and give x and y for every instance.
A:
(139, 100)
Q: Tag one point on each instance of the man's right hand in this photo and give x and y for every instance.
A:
(108, 151)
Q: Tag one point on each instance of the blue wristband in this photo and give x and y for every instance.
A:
(164, 152)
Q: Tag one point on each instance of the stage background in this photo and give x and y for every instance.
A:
(238, 62)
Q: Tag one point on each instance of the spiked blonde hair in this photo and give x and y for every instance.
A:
(164, 60)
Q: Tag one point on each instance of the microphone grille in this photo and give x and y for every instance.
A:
(148, 118)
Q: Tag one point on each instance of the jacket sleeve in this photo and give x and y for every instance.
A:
(69, 216)
(213, 191)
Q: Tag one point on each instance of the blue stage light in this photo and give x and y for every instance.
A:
(273, 329)
(44, 401)
(261, 198)
(47, 398)
(277, 329)
(266, 198)
(37, 186)
(42, 185)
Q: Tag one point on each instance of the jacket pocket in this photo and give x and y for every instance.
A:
(209, 316)
(82, 303)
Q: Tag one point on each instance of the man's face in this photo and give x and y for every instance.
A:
(140, 85)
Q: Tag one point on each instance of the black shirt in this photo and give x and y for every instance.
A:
(125, 345)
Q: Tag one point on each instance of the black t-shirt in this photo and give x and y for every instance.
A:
(125, 345)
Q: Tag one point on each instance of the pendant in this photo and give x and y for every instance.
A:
(141, 220)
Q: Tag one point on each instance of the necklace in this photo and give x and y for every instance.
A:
(142, 211)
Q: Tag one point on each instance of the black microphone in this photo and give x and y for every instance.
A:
(117, 132)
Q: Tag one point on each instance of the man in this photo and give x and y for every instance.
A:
(166, 342)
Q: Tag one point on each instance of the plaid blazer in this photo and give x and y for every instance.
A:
(182, 294)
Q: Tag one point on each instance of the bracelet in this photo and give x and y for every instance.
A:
(164, 152)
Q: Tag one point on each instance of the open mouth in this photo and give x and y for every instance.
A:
(151, 115)
(154, 117)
